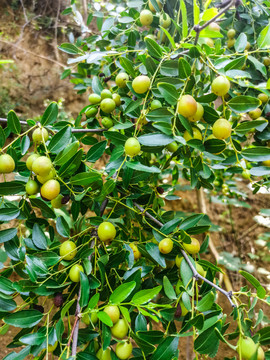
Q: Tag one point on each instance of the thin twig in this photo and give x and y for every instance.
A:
(196, 275)
(76, 325)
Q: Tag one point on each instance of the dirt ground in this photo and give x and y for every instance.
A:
(32, 79)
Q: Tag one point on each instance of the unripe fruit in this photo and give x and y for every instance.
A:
(57, 202)
(106, 231)
(155, 104)
(266, 61)
(117, 99)
(40, 135)
(193, 247)
(51, 348)
(30, 160)
(42, 166)
(31, 187)
(248, 46)
(113, 312)
(183, 308)
(94, 317)
(246, 174)
(107, 122)
(260, 354)
(107, 105)
(136, 252)
(246, 347)
(165, 246)
(172, 147)
(222, 129)
(120, 329)
(209, 42)
(214, 27)
(165, 23)
(104, 354)
(200, 270)
(254, 114)
(151, 7)
(94, 99)
(141, 84)
(231, 33)
(58, 299)
(121, 79)
(91, 112)
(132, 147)
(7, 164)
(50, 190)
(163, 38)
(178, 260)
(123, 350)
(177, 287)
(186, 106)
(196, 135)
(43, 179)
(263, 97)
(266, 162)
(220, 85)
(68, 250)
(74, 273)
(106, 94)
(146, 17)
(230, 43)
(198, 115)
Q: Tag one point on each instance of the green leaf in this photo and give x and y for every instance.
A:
(152, 336)
(96, 151)
(85, 178)
(50, 114)
(260, 171)
(62, 227)
(46, 211)
(60, 140)
(116, 138)
(25, 144)
(104, 317)
(145, 296)
(67, 153)
(7, 305)
(155, 139)
(11, 187)
(186, 272)
(169, 92)
(258, 65)
(2, 137)
(155, 254)
(167, 349)
(93, 301)
(242, 103)
(7, 234)
(214, 146)
(169, 68)
(161, 114)
(184, 19)
(136, 165)
(128, 66)
(24, 318)
(155, 4)
(171, 40)
(153, 48)
(184, 69)
(257, 153)
(241, 43)
(246, 126)
(7, 214)
(263, 40)
(168, 288)
(206, 302)
(72, 165)
(122, 292)
(38, 237)
(260, 290)
(69, 48)
(13, 122)
(85, 290)
(210, 115)
(66, 307)
(196, 12)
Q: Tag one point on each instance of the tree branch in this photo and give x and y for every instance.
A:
(196, 275)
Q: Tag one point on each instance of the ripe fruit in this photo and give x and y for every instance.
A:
(151, 7)
(106, 94)
(172, 147)
(107, 122)
(51, 348)
(196, 134)
(222, 129)
(94, 99)
(136, 252)
(220, 85)
(31, 187)
(178, 260)
(58, 299)
(50, 190)
(57, 202)
(42, 166)
(113, 312)
(74, 272)
(230, 43)
(91, 112)
(123, 350)
(231, 33)
(246, 347)
(107, 105)
(121, 79)
(165, 21)
(39, 135)
(186, 106)
(117, 99)
(104, 354)
(165, 246)
(146, 17)
(266, 162)
(263, 97)
(155, 104)
(30, 160)
(141, 84)
(198, 115)
(7, 164)
(132, 147)
(193, 247)
(120, 329)
(254, 114)
(214, 27)
(106, 231)
(260, 354)
(43, 179)
(68, 250)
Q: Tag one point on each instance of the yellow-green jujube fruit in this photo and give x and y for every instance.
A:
(146, 17)
(214, 26)
(30, 160)
(51, 348)
(184, 310)
(192, 248)
(40, 135)
(165, 21)
(42, 166)
(50, 190)
(200, 269)
(104, 354)
(68, 250)
(198, 115)
(113, 312)
(230, 43)
(107, 122)
(151, 7)
(141, 84)
(91, 112)
(248, 46)
(266, 163)
(266, 61)
(136, 252)
(196, 134)
(121, 79)
(106, 231)
(57, 202)
(161, 38)
(74, 273)
(178, 260)
(222, 129)
(255, 114)
(208, 41)
(187, 106)
(263, 98)
(43, 179)
(106, 94)
(220, 85)
(120, 329)
(7, 164)
(155, 104)
(260, 354)
(165, 246)
(117, 99)
(31, 187)
(172, 147)
(123, 350)
(231, 33)
(246, 347)
(107, 105)
(94, 99)
(132, 147)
